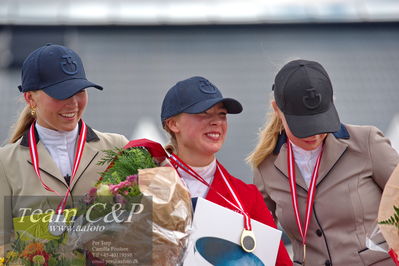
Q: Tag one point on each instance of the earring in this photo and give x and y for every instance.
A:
(33, 111)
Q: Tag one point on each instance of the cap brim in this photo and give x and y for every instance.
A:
(232, 106)
(309, 125)
(68, 88)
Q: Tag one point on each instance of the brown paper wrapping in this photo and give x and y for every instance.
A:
(157, 237)
(171, 213)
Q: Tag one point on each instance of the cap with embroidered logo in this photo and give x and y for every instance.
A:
(303, 92)
(195, 95)
(55, 69)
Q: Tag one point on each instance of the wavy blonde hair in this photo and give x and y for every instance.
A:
(22, 124)
(267, 139)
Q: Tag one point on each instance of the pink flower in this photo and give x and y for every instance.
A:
(91, 196)
(93, 192)
(114, 188)
(132, 178)
(120, 199)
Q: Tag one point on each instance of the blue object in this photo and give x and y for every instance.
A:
(221, 252)
(55, 69)
(193, 96)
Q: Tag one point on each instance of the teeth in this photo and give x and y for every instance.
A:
(213, 135)
(68, 115)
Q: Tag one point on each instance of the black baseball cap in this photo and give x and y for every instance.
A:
(303, 92)
(55, 69)
(195, 95)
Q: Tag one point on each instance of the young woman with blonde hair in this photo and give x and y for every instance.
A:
(321, 179)
(52, 152)
(194, 113)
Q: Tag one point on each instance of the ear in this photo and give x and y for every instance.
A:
(173, 124)
(29, 99)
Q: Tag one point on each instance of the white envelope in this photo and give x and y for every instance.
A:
(215, 239)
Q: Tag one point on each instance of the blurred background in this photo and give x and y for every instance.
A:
(139, 49)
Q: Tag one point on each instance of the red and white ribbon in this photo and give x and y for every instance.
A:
(311, 191)
(78, 156)
(178, 163)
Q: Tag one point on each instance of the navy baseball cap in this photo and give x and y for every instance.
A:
(303, 92)
(195, 95)
(55, 69)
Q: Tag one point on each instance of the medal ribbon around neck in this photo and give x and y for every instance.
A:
(311, 192)
(78, 156)
(178, 163)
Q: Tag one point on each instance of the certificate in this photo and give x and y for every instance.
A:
(215, 238)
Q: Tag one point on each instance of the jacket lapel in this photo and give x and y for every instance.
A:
(282, 164)
(88, 157)
(332, 151)
(47, 164)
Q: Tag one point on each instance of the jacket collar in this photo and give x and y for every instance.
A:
(90, 136)
(332, 152)
(342, 133)
(48, 166)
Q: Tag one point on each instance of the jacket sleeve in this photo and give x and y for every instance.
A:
(5, 207)
(261, 213)
(384, 158)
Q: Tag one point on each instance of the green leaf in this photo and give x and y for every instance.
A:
(125, 163)
(392, 220)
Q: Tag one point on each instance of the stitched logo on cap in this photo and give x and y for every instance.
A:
(207, 87)
(69, 66)
(312, 100)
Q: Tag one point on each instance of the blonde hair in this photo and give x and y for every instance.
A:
(267, 140)
(171, 147)
(22, 124)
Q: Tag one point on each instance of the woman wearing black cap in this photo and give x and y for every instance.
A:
(52, 152)
(321, 179)
(194, 113)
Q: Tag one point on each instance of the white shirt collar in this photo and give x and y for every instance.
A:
(196, 188)
(60, 145)
(306, 160)
(49, 136)
(302, 154)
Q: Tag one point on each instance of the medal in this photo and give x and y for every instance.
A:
(304, 254)
(247, 240)
(57, 224)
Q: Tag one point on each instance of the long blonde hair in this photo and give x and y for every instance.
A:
(22, 124)
(267, 140)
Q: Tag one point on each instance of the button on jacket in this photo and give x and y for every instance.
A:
(18, 177)
(355, 166)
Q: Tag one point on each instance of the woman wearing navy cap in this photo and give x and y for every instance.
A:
(52, 152)
(194, 113)
(321, 179)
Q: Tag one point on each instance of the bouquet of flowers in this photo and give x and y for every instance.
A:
(139, 211)
(41, 252)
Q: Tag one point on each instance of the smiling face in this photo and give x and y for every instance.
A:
(60, 115)
(309, 143)
(199, 136)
